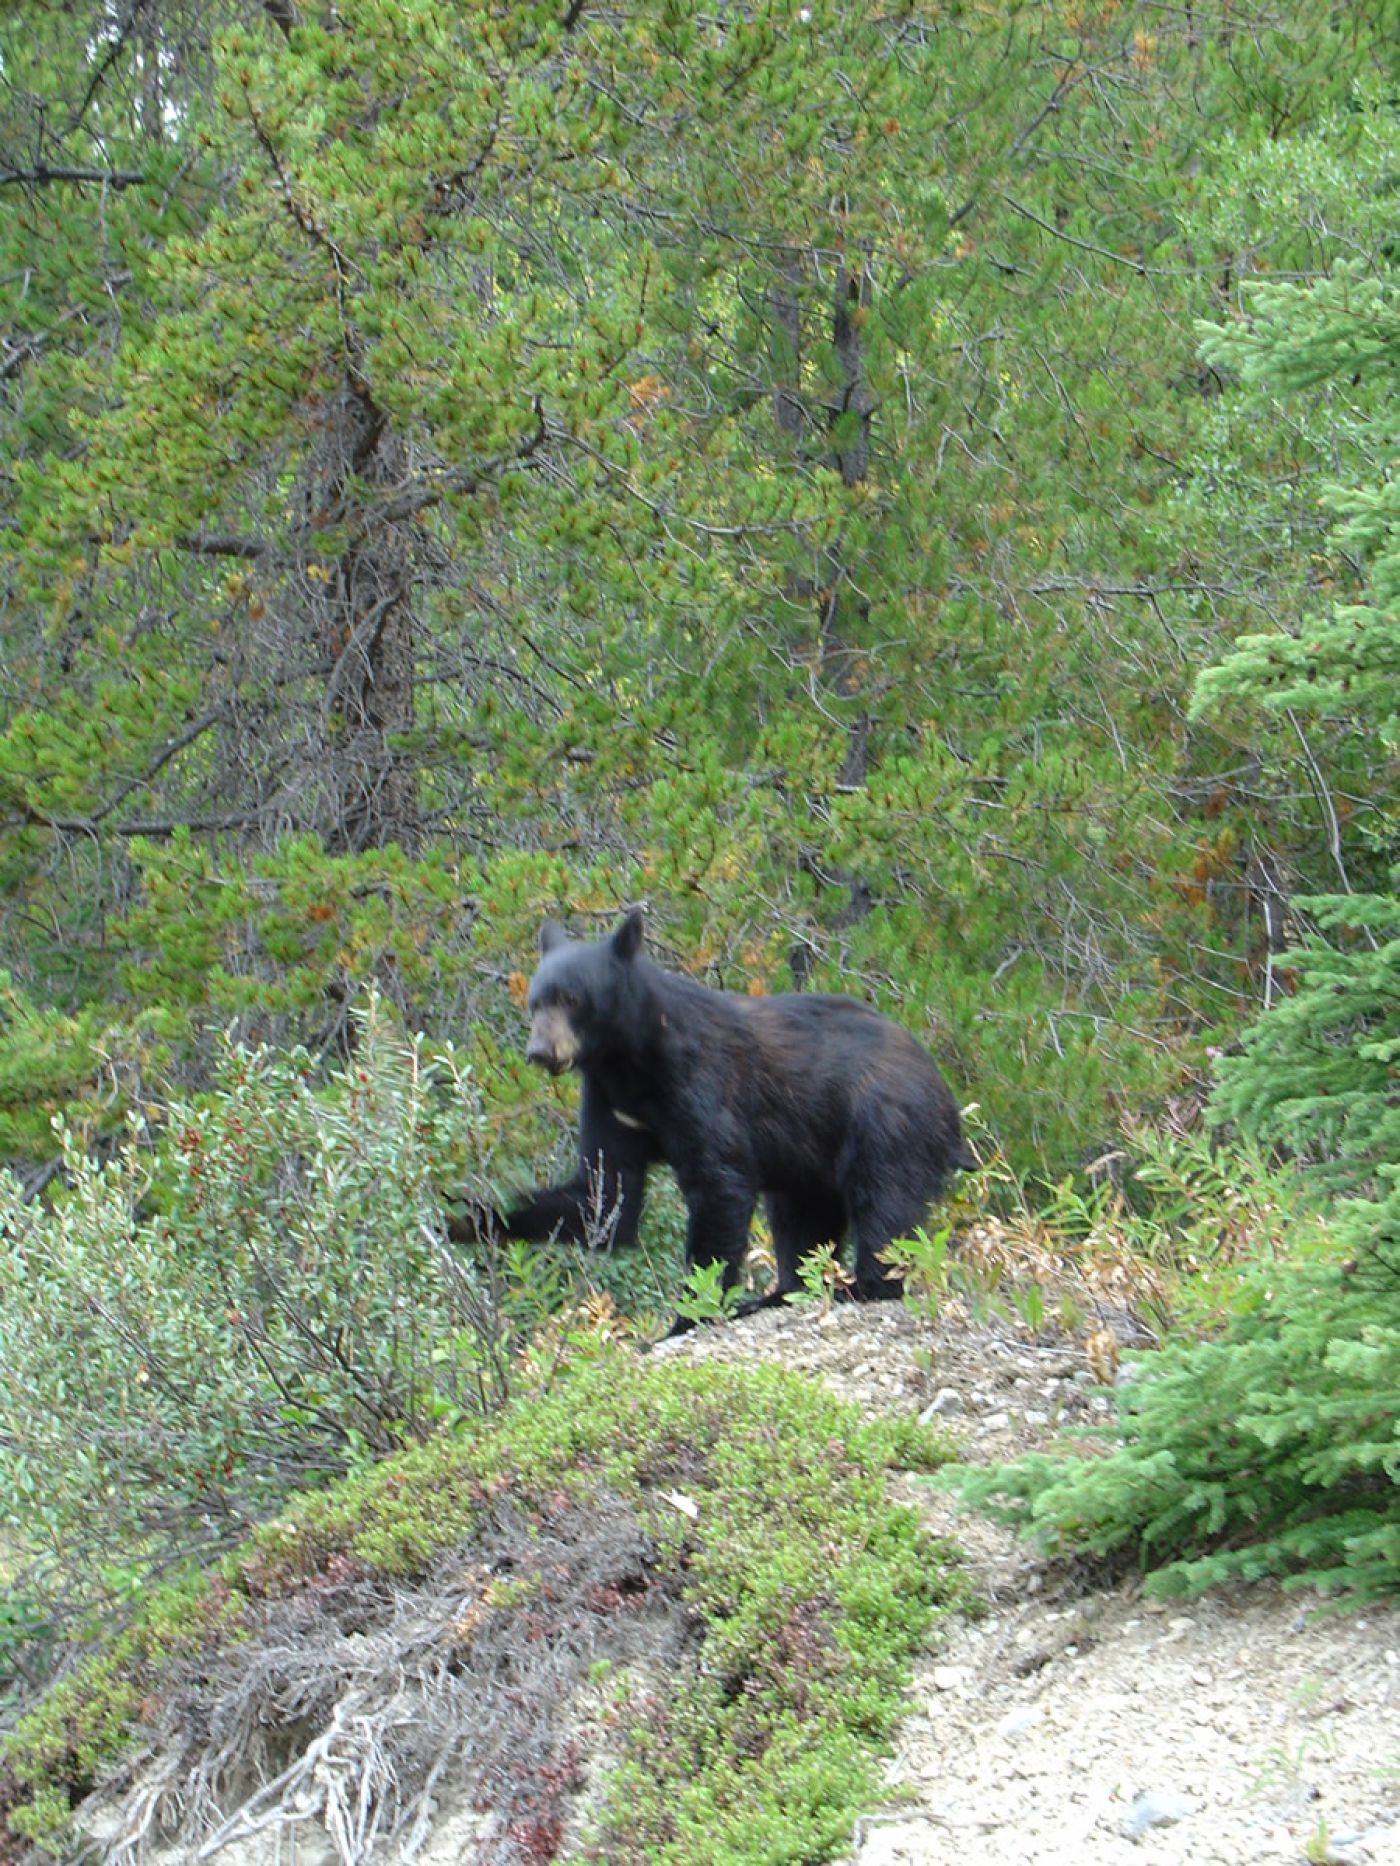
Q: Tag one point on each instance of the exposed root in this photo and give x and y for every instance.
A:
(354, 1705)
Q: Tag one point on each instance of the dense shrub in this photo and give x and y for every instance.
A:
(251, 1295)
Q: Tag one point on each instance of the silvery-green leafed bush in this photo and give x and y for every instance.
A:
(249, 1295)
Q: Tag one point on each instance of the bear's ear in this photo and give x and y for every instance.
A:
(552, 935)
(627, 940)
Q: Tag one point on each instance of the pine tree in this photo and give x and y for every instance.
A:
(1320, 1071)
(736, 461)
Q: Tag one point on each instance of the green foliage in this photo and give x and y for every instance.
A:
(84, 1721)
(51, 1063)
(768, 477)
(1340, 667)
(287, 936)
(251, 1296)
(1317, 1073)
(703, 1296)
(813, 1591)
(928, 1270)
(1271, 1450)
(821, 1276)
(763, 1498)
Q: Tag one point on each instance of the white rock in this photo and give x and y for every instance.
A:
(1158, 1807)
(1017, 1722)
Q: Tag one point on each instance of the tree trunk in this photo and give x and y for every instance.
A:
(367, 625)
(845, 610)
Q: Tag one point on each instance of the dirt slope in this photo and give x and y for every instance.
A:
(1091, 1726)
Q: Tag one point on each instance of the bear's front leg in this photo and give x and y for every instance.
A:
(719, 1211)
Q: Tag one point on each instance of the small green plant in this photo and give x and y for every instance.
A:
(923, 1261)
(704, 1296)
(1070, 1313)
(1317, 1849)
(978, 1286)
(26, 1639)
(1029, 1301)
(822, 1275)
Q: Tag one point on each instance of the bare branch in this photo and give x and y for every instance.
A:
(1064, 84)
(226, 544)
(43, 172)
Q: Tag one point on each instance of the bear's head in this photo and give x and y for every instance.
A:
(579, 994)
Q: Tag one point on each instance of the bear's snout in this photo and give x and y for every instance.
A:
(552, 1043)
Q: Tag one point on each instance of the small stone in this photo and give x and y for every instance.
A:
(950, 1677)
(1034, 1417)
(945, 1401)
(1296, 1800)
(1017, 1722)
(997, 1421)
(1156, 1808)
(1177, 1629)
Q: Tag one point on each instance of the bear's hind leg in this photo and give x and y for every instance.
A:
(801, 1226)
(876, 1229)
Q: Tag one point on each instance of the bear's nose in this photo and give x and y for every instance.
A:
(551, 1042)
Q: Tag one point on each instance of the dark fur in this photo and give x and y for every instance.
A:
(818, 1104)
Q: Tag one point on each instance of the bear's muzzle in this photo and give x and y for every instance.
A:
(553, 1042)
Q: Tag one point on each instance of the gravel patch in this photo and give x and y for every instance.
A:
(1081, 1725)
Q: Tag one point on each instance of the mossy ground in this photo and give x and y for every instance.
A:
(745, 1500)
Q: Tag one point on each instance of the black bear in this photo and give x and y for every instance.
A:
(818, 1104)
